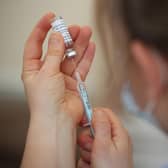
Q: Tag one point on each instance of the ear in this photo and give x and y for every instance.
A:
(150, 67)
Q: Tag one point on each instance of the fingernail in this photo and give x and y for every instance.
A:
(86, 125)
(55, 41)
(99, 114)
(88, 146)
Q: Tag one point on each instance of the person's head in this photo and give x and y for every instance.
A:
(140, 30)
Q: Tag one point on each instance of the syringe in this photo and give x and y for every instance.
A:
(85, 100)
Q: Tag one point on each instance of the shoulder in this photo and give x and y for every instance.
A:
(150, 144)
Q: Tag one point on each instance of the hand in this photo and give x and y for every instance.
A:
(49, 84)
(111, 146)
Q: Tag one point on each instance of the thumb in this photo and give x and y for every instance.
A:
(54, 54)
(102, 126)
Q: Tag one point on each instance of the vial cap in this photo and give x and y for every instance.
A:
(70, 53)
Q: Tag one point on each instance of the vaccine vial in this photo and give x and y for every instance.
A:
(58, 25)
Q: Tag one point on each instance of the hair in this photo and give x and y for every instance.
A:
(144, 20)
(122, 21)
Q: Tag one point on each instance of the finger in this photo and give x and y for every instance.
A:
(85, 64)
(85, 141)
(85, 155)
(54, 54)
(82, 164)
(84, 121)
(82, 42)
(102, 126)
(74, 31)
(70, 84)
(80, 46)
(118, 131)
(33, 47)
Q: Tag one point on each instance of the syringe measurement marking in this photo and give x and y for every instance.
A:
(86, 103)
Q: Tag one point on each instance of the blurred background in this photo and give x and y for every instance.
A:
(17, 19)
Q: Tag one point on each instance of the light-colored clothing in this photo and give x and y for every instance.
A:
(150, 145)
